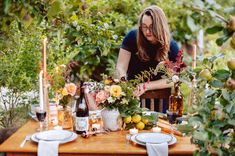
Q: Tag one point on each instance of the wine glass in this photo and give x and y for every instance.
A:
(171, 116)
(41, 115)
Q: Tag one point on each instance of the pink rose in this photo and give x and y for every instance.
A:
(71, 88)
(101, 96)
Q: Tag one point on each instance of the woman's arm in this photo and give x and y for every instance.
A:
(157, 84)
(124, 57)
(152, 85)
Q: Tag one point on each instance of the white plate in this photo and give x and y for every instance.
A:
(54, 135)
(133, 139)
(153, 138)
(73, 137)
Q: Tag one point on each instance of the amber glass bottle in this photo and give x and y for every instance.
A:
(176, 101)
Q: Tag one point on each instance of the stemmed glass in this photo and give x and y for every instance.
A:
(171, 116)
(41, 115)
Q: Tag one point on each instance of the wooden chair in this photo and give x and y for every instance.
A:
(155, 94)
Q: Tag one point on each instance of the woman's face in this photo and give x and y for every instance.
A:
(147, 28)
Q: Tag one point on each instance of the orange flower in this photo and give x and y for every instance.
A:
(71, 88)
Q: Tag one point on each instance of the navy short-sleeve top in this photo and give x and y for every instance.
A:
(136, 65)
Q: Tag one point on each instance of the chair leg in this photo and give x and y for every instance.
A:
(143, 103)
(160, 105)
(152, 105)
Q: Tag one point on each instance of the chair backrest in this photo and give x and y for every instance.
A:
(156, 94)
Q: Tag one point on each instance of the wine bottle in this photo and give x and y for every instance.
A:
(176, 101)
(82, 114)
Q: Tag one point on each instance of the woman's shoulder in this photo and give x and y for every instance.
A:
(129, 42)
(174, 49)
(132, 34)
(173, 45)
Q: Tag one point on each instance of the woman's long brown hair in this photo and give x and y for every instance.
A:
(160, 31)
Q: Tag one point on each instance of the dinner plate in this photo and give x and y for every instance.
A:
(153, 138)
(73, 137)
(133, 139)
(54, 135)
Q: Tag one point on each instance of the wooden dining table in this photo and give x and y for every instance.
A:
(113, 143)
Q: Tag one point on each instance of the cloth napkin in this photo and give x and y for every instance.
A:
(48, 148)
(157, 149)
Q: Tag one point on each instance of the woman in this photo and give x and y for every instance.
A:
(145, 47)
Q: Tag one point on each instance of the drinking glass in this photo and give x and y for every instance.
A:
(41, 116)
(171, 116)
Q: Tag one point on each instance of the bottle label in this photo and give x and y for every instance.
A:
(82, 124)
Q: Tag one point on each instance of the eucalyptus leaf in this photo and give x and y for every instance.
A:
(209, 92)
(185, 128)
(203, 136)
(216, 131)
(191, 24)
(226, 95)
(220, 41)
(222, 74)
(214, 29)
(229, 108)
(216, 84)
(232, 122)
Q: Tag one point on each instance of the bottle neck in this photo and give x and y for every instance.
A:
(177, 89)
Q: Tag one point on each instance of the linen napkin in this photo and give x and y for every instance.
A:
(157, 149)
(48, 148)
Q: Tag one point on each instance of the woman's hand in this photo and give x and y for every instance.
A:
(140, 89)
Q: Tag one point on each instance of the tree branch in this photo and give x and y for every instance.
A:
(205, 11)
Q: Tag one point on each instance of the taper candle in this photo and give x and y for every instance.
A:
(40, 90)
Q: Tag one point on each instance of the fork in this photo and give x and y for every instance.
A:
(27, 138)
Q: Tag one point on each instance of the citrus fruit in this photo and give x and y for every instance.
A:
(136, 118)
(127, 119)
(145, 121)
(140, 125)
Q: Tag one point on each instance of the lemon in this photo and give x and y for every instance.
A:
(127, 119)
(136, 118)
(145, 121)
(140, 125)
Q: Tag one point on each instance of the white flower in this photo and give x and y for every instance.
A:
(175, 78)
(106, 25)
(124, 101)
(107, 88)
(111, 99)
(123, 93)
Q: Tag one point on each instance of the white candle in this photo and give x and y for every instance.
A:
(156, 129)
(97, 126)
(40, 89)
(58, 128)
(194, 55)
(133, 131)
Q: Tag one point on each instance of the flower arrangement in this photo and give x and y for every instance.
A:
(65, 95)
(117, 94)
(172, 70)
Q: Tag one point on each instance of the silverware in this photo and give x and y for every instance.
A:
(27, 138)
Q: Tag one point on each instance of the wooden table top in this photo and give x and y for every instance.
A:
(104, 144)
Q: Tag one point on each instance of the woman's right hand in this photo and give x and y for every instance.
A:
(140, 89)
